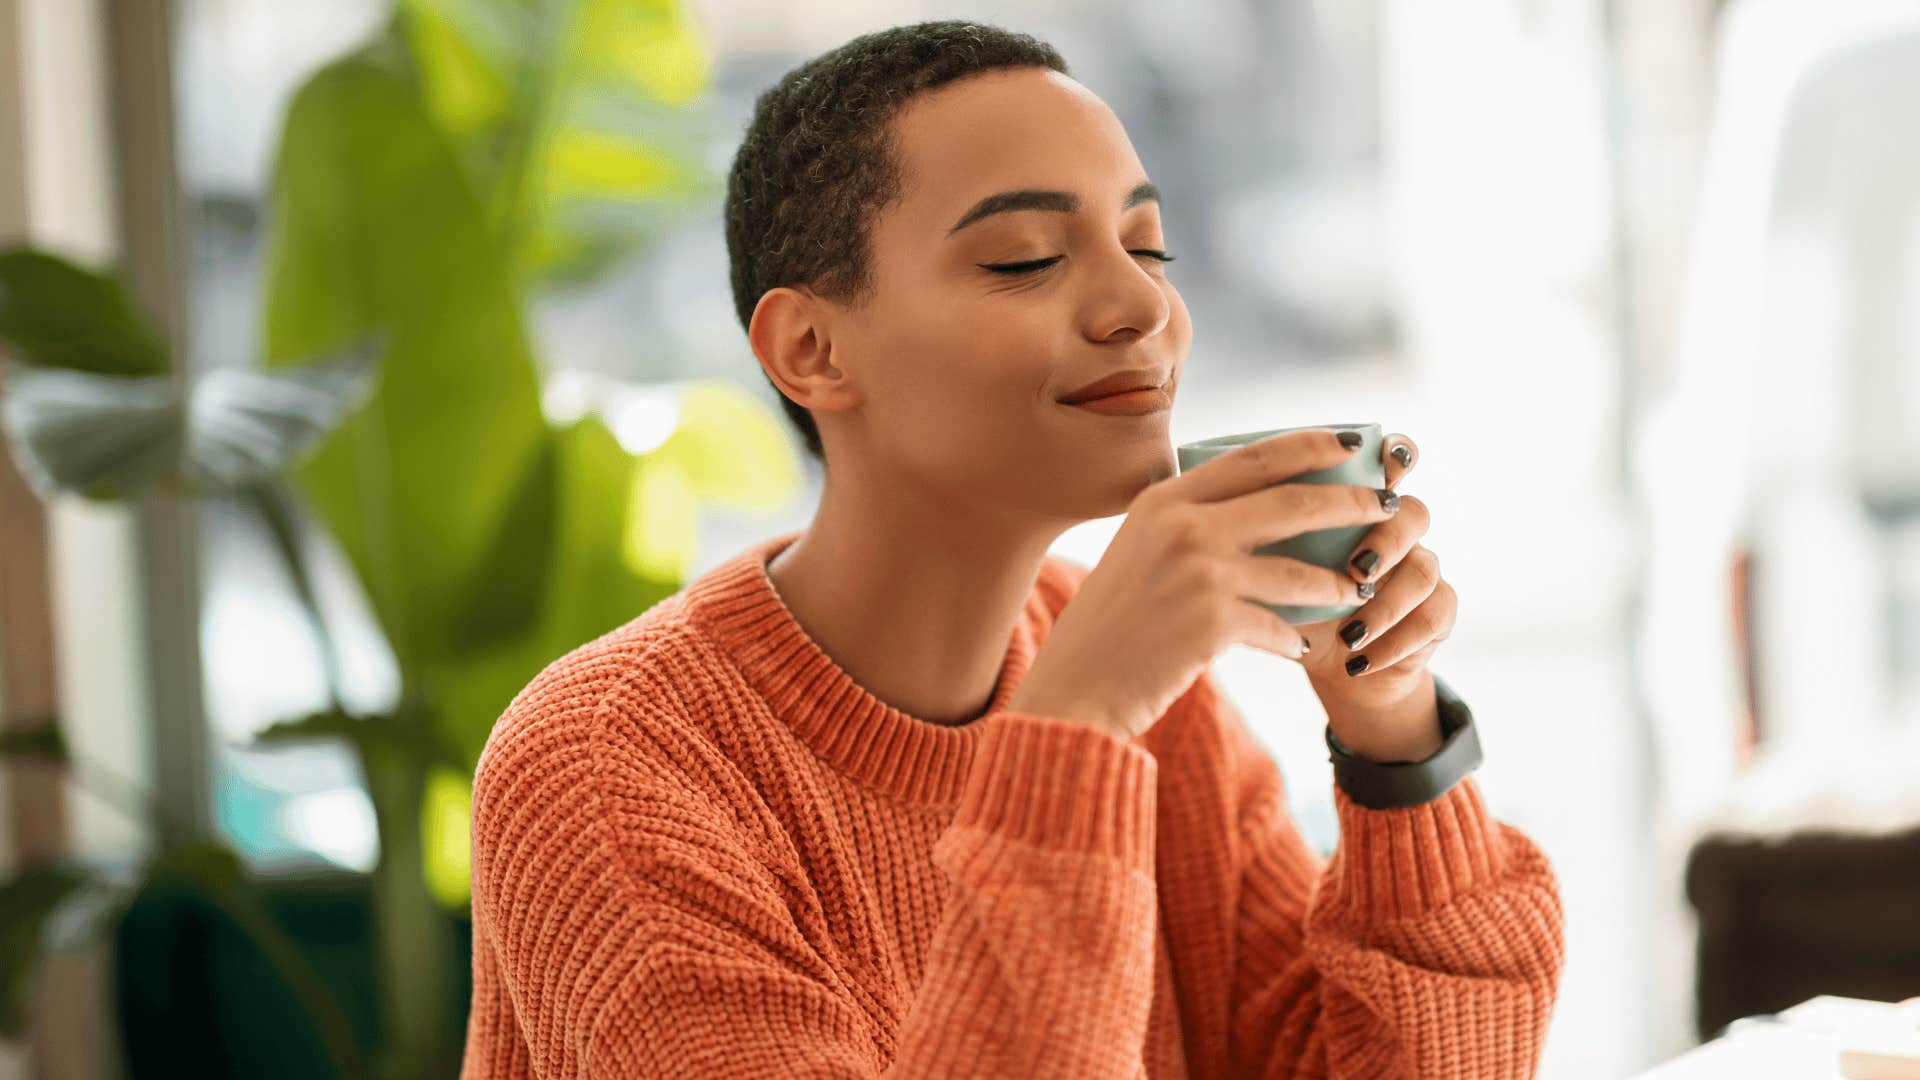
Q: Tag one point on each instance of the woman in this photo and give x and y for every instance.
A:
(875, 798)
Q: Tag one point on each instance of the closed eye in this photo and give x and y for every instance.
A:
(1041, 264)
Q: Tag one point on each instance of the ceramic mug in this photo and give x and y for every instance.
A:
(1330, 548)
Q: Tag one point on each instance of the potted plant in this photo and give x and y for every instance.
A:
(426, 188)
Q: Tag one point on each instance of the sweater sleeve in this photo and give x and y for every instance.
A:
(676, 952)
(1429, 945)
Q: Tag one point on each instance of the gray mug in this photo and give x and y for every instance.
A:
(1330, 548)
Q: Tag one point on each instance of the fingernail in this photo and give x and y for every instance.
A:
(1356, 665)
(1350, 439)
(1402, 455)
(1366, 561)
(1365, 589)
(1353, 632)
(1388, 500)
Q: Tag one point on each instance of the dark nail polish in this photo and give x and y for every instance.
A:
(1402, 455)
(1365, 590)
(1353, 632)
(1388, 500)
(1350, 439)
(1366, 561)
(1356, 665)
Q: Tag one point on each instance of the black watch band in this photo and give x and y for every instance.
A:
(1381, 785)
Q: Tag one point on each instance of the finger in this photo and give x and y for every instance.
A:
(1404, 662)
(1277, 579)
(1418, 656)
(1411, 662)
(1292, 509)
(1263, 628)
(1255, 465)
(1395, 598)
(1392, 449)
(1390, 541)
(1429, 621)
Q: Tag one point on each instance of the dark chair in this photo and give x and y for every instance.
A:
(1783, 919)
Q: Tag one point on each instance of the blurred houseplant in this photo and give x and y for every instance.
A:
(90, 410)
(433, 183)
(426, 188)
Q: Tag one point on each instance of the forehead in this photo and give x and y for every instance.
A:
(1024, 127)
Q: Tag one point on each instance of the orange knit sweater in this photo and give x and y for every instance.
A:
(701, 849)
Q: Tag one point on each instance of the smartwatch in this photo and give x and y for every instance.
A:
(1386, 785)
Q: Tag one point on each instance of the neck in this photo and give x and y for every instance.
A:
(915, 600)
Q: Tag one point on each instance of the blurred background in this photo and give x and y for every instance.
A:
(364, 355)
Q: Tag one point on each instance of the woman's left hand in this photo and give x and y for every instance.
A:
(1411, 612)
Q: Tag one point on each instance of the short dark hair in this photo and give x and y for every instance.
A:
(818, 162)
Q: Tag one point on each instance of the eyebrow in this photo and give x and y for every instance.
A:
(1065, 202)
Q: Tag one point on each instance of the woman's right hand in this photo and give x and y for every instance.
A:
(1174, 587)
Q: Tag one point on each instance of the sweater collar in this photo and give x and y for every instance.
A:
(909, 757)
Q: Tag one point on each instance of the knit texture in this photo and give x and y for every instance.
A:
(700, 848)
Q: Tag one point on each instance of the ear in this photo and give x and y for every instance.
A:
(792, 336)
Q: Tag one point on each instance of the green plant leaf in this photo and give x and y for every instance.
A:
(515, 551)
(60, 315)
(734, 449)
(445, 837)
(100, 436)
(374, 226)
(625, 535)
(464, 55)
(39, 741)
(411, 737)
(206, 865)
(26, 901)
(590, 583)
(245, 425)
(557, 107)
(215, 872)
(117, 436)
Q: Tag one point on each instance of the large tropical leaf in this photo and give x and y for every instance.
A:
(215, 874)
(374, 225)
(590, 584)
(576, 119)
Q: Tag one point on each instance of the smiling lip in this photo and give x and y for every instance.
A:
(1116, 383)
(1128, 403)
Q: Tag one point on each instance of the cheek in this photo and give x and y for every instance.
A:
(981, 348)
(978, 392)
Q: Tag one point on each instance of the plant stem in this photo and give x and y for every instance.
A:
(269, 498)
(411, 929)
(139, 805)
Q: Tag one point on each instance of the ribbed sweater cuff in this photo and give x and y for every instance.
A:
(1404, 862)
(1062, 785)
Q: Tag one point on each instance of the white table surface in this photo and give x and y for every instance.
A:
(1802, 1043)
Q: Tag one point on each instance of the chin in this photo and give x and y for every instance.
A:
(1130, 478)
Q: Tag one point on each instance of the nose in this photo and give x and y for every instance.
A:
(1129, 297)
